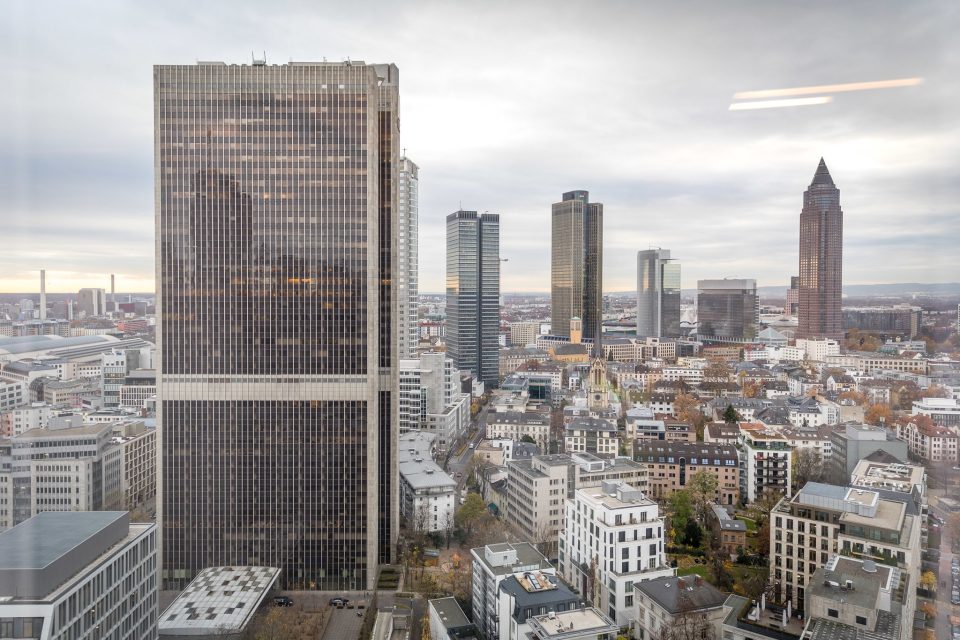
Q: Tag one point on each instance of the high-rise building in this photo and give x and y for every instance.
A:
(277, 323)
(728, 310)
(658, 294)
(792, 302)
(577, 265)
(473, 294)
(92, 302)
(407, 252)
(821, 259)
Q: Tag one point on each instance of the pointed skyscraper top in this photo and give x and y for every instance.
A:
(822, 176)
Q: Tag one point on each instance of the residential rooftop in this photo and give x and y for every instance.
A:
(578, 624)
(675, 594)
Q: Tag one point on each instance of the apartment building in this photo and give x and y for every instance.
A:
(427, 493)
(821, 520)
(137, 442)
(522, 597)
(591, 435)
(430, 398)
(690, 602)
(15, 421)
(860, 598)
(537, 489)
(514, 425)
(523, 333)
(766, 459)
(493, 564)
(613, 537)
(930, 443)
(13, 393)
(671, 465)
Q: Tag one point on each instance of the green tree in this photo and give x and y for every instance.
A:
(730, 415)
(682, 510)
(526, 438)
(692, 534)
(470, 512)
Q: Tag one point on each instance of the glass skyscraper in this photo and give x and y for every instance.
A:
(821, 259)
(407, 248)
(276, 195)
(473, 294)
(728, 310)
(576, 289)
(658, 294)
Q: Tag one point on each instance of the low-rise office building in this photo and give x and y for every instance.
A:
(851, 443)
(94, 576)
(943, 411)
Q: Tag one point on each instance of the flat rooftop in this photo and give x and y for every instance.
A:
(570, 625)
(889, 515)
(42, 553)
(451, 615)
(218, 600)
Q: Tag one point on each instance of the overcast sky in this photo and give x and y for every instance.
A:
(505, 105)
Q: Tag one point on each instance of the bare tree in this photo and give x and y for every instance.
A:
(688, 623)
(807, 467)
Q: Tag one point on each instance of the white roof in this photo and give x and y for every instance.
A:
(219, 599)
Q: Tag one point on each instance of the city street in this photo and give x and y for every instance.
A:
(458, 463)
(944, 607)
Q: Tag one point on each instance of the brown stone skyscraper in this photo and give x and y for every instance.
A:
(821, 259)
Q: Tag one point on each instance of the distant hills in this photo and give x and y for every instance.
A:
(854, 290)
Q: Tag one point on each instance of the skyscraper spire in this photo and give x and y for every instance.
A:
(822, 176)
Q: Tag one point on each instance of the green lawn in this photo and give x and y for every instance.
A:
(751, 524)
(699, 569)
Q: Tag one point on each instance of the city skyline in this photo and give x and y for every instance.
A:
(666, 157)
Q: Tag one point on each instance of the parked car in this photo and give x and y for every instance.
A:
(339, 602)
(282, 601)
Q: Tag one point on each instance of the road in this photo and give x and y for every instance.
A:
(458, 463)
(944, 607)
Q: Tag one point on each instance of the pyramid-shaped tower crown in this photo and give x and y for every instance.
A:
(822, 176)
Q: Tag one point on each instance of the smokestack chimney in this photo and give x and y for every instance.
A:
(43, 294)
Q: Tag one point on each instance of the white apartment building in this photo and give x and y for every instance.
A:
(407, 248)
(428, 495)
(430, 398)
(613, 537)
(690, 375)
(15, 421)
(492, 564)
(943, 411)
(933, 444)
(818, 350)
(766, 461)
(523, 333)
(94, 577)
(538, 488)
(867, 362)
(591, 435)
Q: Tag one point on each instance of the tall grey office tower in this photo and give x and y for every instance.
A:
(728, 310)
(658, 294)
(407, 301)
(276, 192)
(576, 289)
(473, 294)
(821, 259)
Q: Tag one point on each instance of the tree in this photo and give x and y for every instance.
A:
(935, 391)
(681, 509)
(752, 389)
(807, 467)
(692, 534)
(878, 414)
(470, 512)
(730, 415)
(688, 623)
(687, 409)
(703, 492)
(855, 396)
(717, 372)
(928, 580)
(526, 438)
